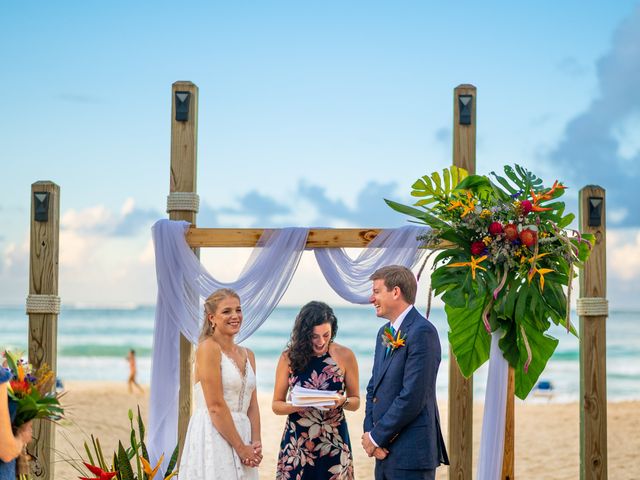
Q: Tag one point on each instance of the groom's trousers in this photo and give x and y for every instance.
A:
(382, 473)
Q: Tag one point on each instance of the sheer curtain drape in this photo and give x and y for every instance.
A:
(349, 277)
(183, 284)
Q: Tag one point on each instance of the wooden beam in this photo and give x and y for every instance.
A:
(248, 237)
(593, 352)
(184, 146)
(460, 388)
(43, 327)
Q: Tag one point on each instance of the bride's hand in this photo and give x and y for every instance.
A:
(257, 447)
(248, 455)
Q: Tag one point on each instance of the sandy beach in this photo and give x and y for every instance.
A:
(547, 435)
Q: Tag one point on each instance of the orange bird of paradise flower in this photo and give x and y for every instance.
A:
(151, 472)
(474, 264)
(394, 343)
(548, 195)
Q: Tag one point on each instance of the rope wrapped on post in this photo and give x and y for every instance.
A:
(593, 307)
(183, 201)
(48, 304)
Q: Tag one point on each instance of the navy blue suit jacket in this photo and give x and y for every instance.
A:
(401, 409)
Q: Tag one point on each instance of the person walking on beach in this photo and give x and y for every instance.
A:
(315, 444)
(402, 423)
(133, 371)
(223, 439)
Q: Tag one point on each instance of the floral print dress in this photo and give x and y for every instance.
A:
(315, 444)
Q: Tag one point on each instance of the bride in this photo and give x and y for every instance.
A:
(223, 439)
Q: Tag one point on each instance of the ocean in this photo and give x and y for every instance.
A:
(93, 344)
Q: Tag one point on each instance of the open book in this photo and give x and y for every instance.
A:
(308, 397)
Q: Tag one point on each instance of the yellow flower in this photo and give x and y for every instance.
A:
(541, 272)
(485, 213)
(487, 240)
(454, 204)
(474, 264)
(151, 472)
(470, 206)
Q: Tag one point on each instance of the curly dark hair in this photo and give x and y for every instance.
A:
(300, 347)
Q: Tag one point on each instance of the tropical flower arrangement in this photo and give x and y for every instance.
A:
(120, 467)
(505, 260)
(32, 395)
(390, 342)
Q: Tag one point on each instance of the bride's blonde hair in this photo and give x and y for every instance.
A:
(210, 307)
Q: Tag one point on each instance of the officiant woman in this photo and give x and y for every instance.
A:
(315, 443)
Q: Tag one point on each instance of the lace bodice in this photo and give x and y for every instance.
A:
(237, 386)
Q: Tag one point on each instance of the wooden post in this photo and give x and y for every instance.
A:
(184, 144)
(43, 322)
(593, 372)
(508, 457)
(460, 388)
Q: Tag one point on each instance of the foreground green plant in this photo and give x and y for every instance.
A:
(120, 467)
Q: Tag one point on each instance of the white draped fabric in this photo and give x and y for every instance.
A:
(350, 278)
(183, 284)
(493, 421)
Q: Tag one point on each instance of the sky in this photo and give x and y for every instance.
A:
(310, 114)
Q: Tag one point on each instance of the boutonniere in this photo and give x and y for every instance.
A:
(389, 342)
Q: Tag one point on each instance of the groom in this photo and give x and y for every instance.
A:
(402, 423)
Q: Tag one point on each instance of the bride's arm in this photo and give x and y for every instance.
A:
(208, 358)
(279, 404)
(254, 411)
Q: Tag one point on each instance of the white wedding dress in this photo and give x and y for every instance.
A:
(206, 454)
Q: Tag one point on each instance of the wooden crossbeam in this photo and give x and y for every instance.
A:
(248, 237)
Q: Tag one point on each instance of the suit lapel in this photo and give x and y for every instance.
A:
(384, 363)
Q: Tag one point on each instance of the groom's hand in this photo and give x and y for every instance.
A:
(367, 444)
(380, 453)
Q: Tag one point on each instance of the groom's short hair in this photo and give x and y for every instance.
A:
(398, 276)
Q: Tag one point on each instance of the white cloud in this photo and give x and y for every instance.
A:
(97, 217)
(623, 249)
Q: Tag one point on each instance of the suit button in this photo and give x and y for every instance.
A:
(375, 399)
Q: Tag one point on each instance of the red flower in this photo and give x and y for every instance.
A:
(477, 248)
(528, 237)
(511, 231)
(526, 206)
(20, 388)
(495, 228)
(101, 474)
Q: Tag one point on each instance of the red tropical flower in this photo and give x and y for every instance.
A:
(477, 248)
(511, 231)
(101, 474)
(528, 237)
(495, 228)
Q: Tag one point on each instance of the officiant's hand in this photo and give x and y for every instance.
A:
(339, 403)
